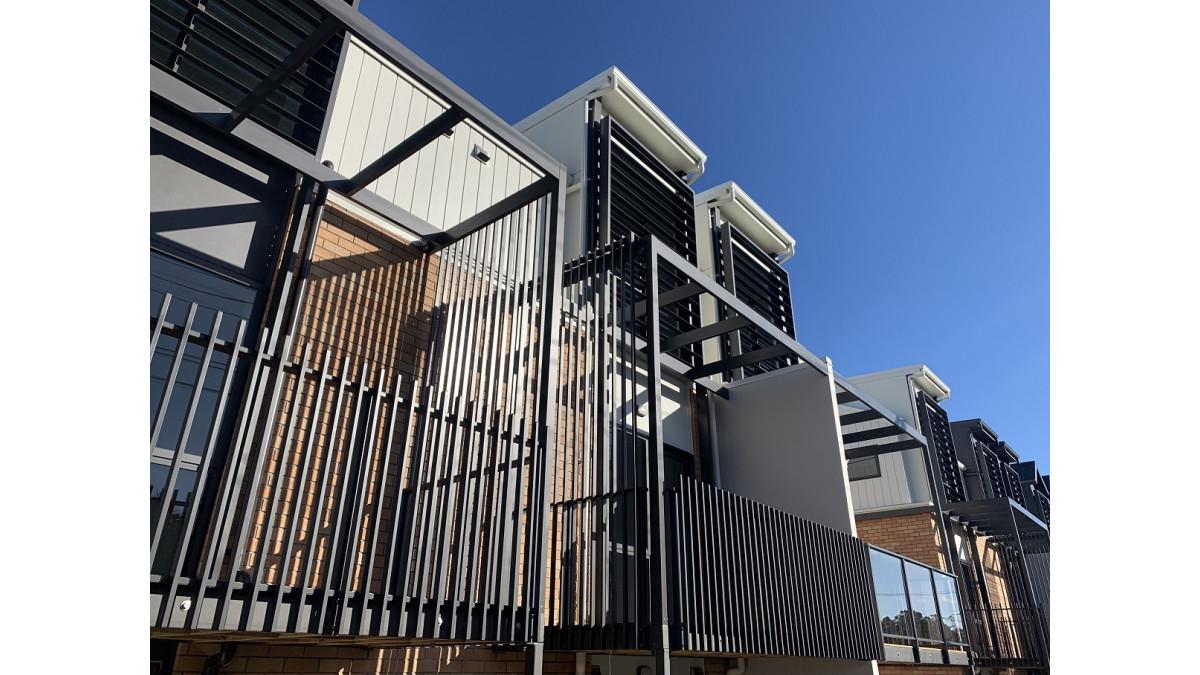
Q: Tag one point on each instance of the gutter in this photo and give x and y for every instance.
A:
(769, 226)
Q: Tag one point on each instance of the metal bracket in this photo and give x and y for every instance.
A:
(223, 657)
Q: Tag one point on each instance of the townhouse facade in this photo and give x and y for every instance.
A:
(960, 505)
(434, 393)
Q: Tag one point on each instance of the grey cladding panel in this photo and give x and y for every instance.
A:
(212, 202)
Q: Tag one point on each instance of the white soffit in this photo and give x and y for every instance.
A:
(749, 218)
(636, 113)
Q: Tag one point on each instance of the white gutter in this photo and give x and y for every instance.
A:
(686, 157)
(728, 193)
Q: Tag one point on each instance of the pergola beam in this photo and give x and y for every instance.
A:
(286, 68)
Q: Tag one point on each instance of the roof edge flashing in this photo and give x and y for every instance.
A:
(750, 219)
(922, 377)
(613, 83)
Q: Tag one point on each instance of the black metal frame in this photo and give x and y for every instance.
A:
(944, 644)
(478, 454)
(237, 120)
(607, 294)
(755, 277)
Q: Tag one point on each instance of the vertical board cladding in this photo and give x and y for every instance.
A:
(343, 660)
(377, 106)
(915, 536)
(890, 488)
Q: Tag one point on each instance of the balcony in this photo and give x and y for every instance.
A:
(1009, 637)
(749, 579)
(346, 446)
(646, 553)
(919, 612)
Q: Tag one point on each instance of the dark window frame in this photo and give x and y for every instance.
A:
(862, 462)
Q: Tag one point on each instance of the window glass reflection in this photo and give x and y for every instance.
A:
(924, 608)
(947, 597)
(894, 617)
(176, 502)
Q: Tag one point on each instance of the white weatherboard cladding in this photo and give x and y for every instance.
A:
(903, 476)
(376, 106)
(780, 444)
(890, 489)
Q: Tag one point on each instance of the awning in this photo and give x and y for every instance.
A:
(1003, 519)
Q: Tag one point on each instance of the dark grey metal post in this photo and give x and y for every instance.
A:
(1040, 629)
(983, 594)
(660, 639)
(937, 489)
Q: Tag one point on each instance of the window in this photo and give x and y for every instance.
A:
(861, 469)
(186, 394)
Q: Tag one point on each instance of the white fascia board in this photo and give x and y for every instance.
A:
(922, 377)
(749, 218)
(636, 113)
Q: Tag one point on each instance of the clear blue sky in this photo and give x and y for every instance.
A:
(905, 145)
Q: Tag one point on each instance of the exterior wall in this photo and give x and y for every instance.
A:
(779, 444)
(894, 485)
(370, 297)
(331, 660)
(903, 480)
(915, 536)
(377, 106)
(564, 136)
(788, 666)
(918, 669)
(368, 304)
(1002, 586)
(212, 201)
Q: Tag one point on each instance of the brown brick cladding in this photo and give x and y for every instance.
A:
(368, 302)
(915, 536)
(996, 574)
(370, 297)
(327, 660)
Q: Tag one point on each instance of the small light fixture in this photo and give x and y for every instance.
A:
(643, 409)
(479, 154)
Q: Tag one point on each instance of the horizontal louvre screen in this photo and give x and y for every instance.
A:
(226, 48)
(761, 283)
(936, 426)
(648, 200)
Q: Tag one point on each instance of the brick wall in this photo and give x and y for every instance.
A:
(1000, 585)
(326, 660)
(916, 536)
(369, 299)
